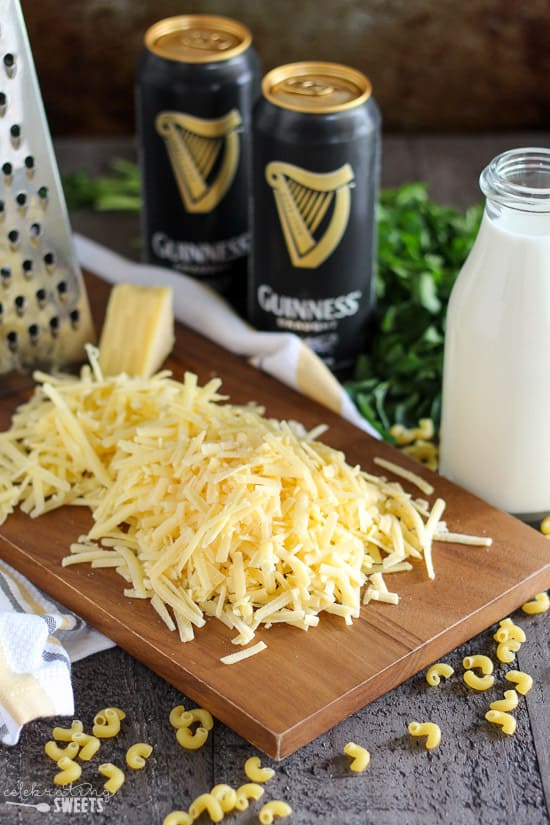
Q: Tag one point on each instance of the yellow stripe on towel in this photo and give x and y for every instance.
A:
(22, 695)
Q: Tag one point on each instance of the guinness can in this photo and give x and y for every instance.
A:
(316, 159)
(197, 81)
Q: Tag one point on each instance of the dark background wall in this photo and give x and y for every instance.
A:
(435, 65)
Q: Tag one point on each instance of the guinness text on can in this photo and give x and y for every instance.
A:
(315, 180)
(197, 81)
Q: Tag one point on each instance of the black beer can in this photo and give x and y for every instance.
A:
(197, 81)
(315, 180)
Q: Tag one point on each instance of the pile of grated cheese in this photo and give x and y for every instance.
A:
(207, 508)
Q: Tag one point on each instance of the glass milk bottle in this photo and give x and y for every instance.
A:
(495, 428)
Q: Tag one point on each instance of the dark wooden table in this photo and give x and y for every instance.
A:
(477, 775)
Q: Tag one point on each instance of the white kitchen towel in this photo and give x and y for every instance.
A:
(281, 354)
(38, 641)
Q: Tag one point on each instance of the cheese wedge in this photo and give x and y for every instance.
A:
(138, 333)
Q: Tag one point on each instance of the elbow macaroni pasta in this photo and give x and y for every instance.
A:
(478, 662)
(360, 756)
(66, 734)
(430, 730)
(506, 721)
(226, 796)
(255, 773)
(435, 672)
(89, 745)
(250, 790)
(107, 723)
(272, 809)
(478, 682)
(206, 802)
(137, 754)
(203, 717)
(177, 818)
(115, 777)
(56, 753)
(192, 741)
(179, 717)
(510, 702)
(506, 651)
(69, 771)
(540, 604)
(522, 681)
(509, 630)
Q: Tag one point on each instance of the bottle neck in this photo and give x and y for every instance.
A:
(516, 185)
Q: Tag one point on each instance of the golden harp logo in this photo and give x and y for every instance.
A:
(304, 200)
(204, 154)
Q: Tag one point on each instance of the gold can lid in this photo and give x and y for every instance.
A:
(197, 38)
(316, 87)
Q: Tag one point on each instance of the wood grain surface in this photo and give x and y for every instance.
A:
(304, 683)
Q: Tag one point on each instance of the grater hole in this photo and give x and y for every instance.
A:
(15, 135)
(35, 230)
(11, 338)
(9, 64)
(49, 261)
(41, 296)
(2, 210)
(54, 326)
(62, 290)
(3, 103)
(1, 312)
(21, 201)
(29, 165)
(43, 195)
(13, 238)
(5, 275)
(75, 318)
(19, 303)
(7, 170)
(27, 267)
(34, 332)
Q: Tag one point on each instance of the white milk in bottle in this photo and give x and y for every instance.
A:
(495, 427)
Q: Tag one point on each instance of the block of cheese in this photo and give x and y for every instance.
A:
(138, 332)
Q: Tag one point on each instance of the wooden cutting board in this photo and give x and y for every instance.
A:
(304, 683)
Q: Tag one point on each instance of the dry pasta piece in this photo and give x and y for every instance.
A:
(508, 629)
(115, 777)
(250, 790)
(256, 773)
(478, 662)
(360, 757)
(478, 682)
(430, 730)
(545, 526)
(276, 807)
(510, 702)
(522, 681)
(89, 745)
(66, 734)
(540, 604)
(177, 818)
(69, 771)
(226, 796)
(56, 753)
(190, 740)
(506, 651)
(506, 721)
(436, 671)
(204, 717)
(179, 717)
(206, 802)
(137, 754)
(107, 723)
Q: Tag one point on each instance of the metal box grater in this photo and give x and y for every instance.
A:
(45, 318)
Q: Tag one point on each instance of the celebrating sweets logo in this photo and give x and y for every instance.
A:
(73, 799)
